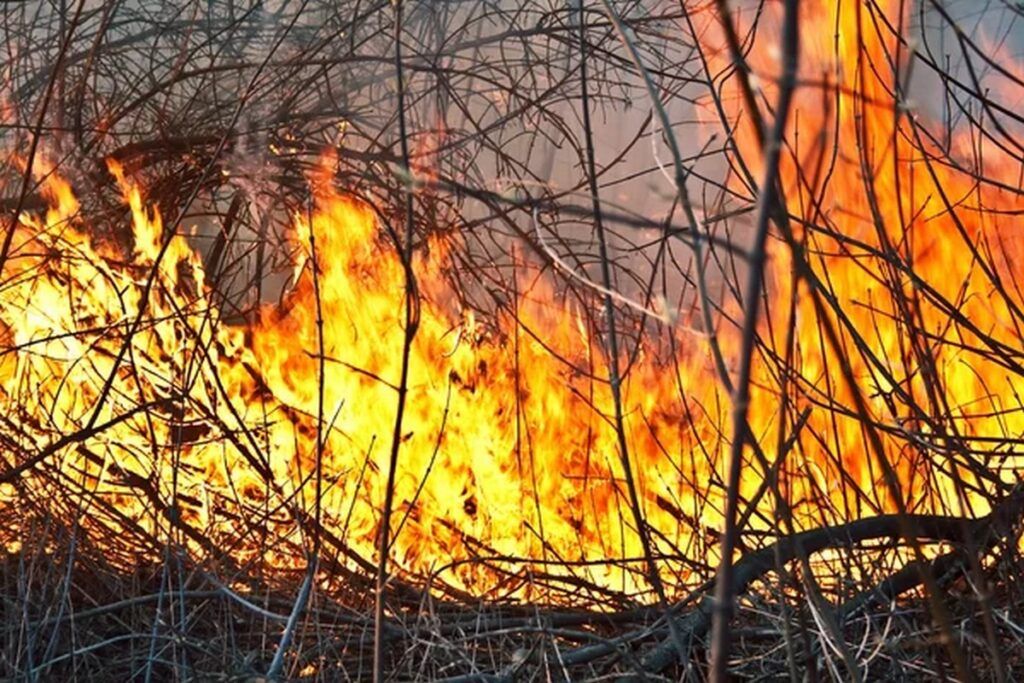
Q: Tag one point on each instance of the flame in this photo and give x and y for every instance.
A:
(209, 433)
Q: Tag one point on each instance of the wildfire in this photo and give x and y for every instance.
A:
(207, 432)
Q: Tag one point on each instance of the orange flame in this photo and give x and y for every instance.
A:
(508, 450)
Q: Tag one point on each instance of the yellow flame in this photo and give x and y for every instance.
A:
(508, 448)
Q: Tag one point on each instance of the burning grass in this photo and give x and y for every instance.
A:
(295, 401)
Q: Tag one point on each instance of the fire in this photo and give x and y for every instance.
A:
(206, 432)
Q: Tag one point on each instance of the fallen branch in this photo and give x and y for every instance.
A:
(980, 535)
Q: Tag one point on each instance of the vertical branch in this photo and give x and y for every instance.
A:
(277, 665)
(411, 324)
(614, 378)
(724, 596)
